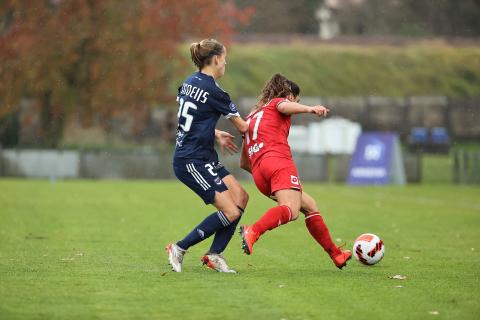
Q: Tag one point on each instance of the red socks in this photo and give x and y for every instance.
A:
(274, 217)
(319, 231)
(279, 215)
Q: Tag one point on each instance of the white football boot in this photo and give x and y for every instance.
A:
(217, 262)
(175, 256)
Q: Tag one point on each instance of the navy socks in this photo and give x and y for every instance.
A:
(211, 224)
(223, 236)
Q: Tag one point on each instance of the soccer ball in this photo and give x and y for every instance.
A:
(368, 249)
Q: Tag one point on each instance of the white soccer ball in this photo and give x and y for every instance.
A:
(368, 249)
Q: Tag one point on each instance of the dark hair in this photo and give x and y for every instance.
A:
(203, 51)
(277, 87)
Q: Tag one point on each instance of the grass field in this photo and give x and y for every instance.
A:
(94, 250)
(332, 70)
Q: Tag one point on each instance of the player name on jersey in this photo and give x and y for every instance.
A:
(195, 93)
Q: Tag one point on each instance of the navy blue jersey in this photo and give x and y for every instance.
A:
(200, 103)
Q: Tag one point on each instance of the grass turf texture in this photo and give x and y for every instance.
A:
(94, 250)
(330, 70)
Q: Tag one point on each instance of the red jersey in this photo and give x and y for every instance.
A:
(267, 134)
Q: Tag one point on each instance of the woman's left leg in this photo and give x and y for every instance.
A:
(240, 196)
(319, 231)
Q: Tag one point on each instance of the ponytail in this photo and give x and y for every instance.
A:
(202, 52)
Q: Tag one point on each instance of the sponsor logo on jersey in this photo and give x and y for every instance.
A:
(254, 149)
(179, 139)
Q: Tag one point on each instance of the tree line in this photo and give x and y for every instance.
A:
(95, 58)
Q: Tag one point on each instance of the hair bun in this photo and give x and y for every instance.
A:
(202, 52)
(194, 45)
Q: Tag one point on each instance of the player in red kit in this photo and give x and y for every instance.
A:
(266, 154)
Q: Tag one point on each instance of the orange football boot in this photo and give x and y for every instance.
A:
(249, 237)
(341, 259)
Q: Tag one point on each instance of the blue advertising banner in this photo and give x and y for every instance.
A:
(377, 159)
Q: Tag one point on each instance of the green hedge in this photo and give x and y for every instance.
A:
(334, 70)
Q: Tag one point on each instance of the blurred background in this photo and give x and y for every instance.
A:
(87, 88)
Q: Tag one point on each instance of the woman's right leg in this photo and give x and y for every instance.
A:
(289, 202)
(279, 177)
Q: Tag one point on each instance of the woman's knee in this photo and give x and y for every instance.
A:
(308, 204)
(295, 213)
(225, 202)
(243, 198)
(309, 208)
(239, 194)
(232, 213)
(291, 199)
(294, 209)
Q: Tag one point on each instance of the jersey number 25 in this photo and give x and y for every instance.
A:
(183, 112)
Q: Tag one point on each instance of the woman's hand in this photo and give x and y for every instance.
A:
(320, 111)
(226, 142)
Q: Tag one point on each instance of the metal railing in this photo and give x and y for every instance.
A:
(466, 166)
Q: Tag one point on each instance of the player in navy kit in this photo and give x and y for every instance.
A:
(201, 103)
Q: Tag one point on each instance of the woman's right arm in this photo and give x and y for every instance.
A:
(290, 107)
(239, 123)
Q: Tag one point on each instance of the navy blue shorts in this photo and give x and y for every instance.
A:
(204, 178)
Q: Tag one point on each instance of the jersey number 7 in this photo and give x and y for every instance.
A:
(258, 117)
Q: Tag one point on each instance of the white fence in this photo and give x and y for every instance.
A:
(155, 164)
(53, 164)
(143, 164)
(40, 164)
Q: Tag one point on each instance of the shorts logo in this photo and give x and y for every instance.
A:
(218, 181)
(294, 180)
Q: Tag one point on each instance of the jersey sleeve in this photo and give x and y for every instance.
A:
(275, 102)
(224, 105)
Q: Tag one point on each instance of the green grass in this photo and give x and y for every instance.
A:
(437, 168)
(94, 250)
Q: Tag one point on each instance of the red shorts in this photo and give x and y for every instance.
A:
(273, 174)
